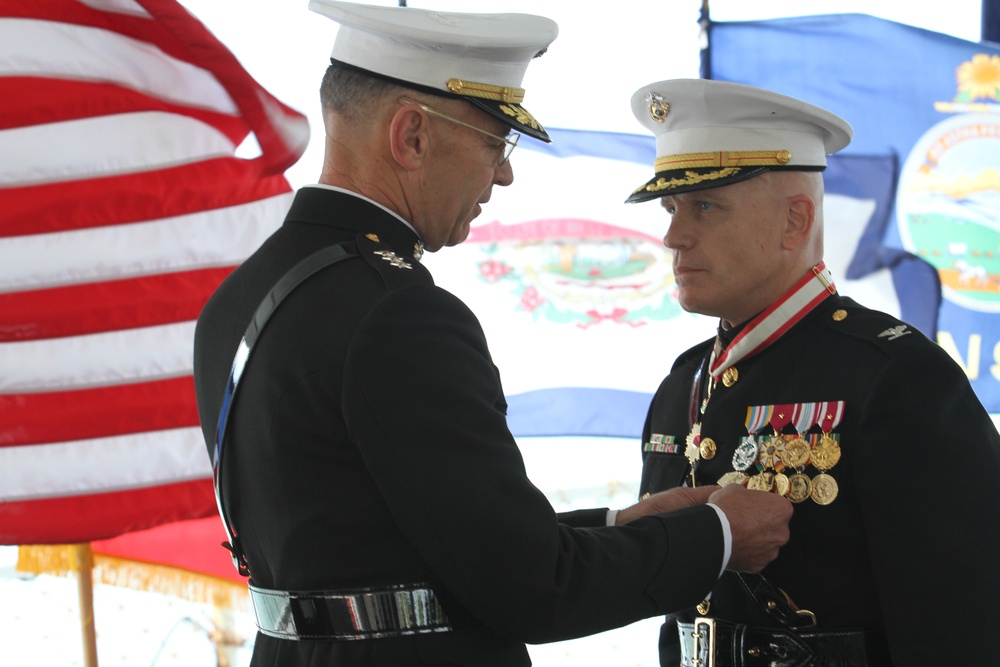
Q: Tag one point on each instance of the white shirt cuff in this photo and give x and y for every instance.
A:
(727, 536)
(727, 532)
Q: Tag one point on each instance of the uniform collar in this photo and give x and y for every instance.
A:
(336, 207)
(324, 186)
(728, 333)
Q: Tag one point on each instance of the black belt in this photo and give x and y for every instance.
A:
(712, 642)
(365, 613)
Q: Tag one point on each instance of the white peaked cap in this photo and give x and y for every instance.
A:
(480, 58)
(713, 133)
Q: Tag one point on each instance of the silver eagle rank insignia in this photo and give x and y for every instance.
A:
(895, 332)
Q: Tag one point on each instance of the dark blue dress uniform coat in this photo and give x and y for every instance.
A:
(368, 446)
(911, 544)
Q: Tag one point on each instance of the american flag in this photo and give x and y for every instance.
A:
(123, 204)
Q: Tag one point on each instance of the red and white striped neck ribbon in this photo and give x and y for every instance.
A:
(775, 320)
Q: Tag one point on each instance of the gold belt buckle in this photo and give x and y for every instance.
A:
(704, 640)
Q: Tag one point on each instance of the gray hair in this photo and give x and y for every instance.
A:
(353, 93)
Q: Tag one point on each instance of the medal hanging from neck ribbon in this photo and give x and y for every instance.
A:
(759, 333)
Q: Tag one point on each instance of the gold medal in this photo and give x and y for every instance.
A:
(761, 482)
(734, 477)
(706, 449)
(799, 488)
(824, 489)
(826, 453)
(730, 376)
(781, 484)
(796, 453)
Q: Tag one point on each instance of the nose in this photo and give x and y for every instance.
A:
(670, 239)
(503, 175)
(676, 237)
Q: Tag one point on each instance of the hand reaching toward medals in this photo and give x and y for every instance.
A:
(665, 501)
(759, 524)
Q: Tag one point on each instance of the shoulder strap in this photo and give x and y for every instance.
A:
(288, 282)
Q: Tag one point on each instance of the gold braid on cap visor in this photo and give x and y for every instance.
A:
(486, 91)
(722, 159)
(690, 178)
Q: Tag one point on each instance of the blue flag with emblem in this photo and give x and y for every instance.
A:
(929, 104)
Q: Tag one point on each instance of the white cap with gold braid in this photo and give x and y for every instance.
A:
(713, 133)
(481, 58)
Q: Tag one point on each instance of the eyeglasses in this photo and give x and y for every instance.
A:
(510, 141)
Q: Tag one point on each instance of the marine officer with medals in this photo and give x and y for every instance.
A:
(867, 427)
(366, 478)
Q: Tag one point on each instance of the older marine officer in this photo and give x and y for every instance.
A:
(372, 490)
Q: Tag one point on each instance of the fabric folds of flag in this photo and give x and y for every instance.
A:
(123, 205)
(931, 102)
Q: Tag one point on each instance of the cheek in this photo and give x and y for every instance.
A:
(459, 233)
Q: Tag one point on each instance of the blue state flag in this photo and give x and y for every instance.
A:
(930, 103)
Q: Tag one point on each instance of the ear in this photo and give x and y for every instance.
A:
(800, 214)
(409, 137)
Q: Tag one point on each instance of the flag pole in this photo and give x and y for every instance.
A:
(82, 560)
(705, 23)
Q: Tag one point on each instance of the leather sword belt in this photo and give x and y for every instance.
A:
(710, 642)
(362, 613)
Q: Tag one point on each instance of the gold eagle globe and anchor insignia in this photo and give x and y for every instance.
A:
(658, 109)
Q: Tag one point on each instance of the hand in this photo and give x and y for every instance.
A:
(759, 523)
(666, 501)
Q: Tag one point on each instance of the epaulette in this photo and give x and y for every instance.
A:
(395, 270)
(848, 318)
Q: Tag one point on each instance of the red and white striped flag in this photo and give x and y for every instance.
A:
(122, 207)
